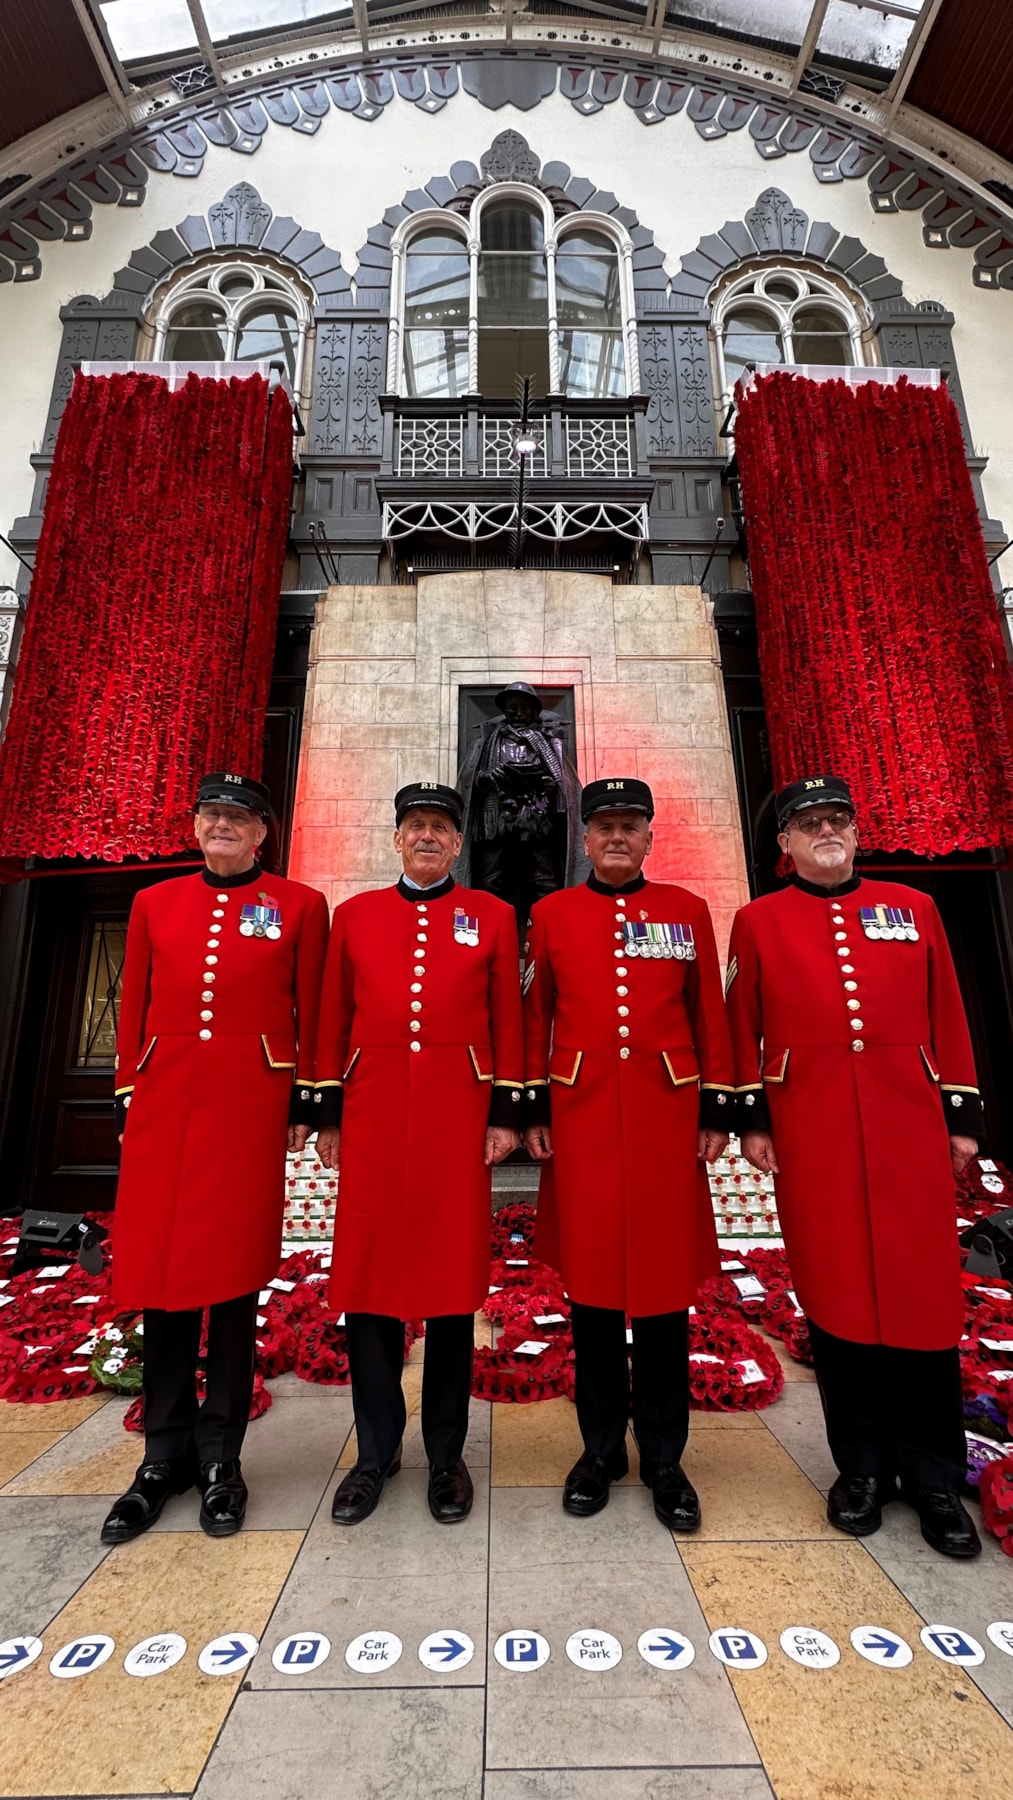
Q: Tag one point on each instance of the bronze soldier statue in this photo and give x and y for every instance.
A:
(521, 795)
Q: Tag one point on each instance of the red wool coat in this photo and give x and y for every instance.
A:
(213, 1021)
(859, 1047)
(420, 1036)
(635, 1054)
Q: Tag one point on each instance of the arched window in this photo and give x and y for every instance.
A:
(436, 315)
(785, 315)
(511, 291)
(233, 312)
(513, 298)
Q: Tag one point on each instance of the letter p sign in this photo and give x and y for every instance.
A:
(952, 1645)
(300, 1653)
(738, 1648)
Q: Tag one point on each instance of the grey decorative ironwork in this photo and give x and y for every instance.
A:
(330, 389)
(598, 446)
(368, 355)
(433, 447)
(188, 82)
(475, 521)
(176, 142)
(510, 158)
(497, 454)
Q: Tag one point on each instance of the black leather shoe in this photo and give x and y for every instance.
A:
(224, 1496)
(450, 1493)
(137, 1509)
(946, 1525)
(675, 1498)
(586, 1489)
(359, 1493)
(855, 1504)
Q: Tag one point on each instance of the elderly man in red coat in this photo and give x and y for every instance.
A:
(857, 1089)
(419, 1071)
(625, 1027)
(217, 1022)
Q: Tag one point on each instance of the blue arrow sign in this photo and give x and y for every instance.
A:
(878, 1642)
(450, 1651)
(667, 1648)
(230, 1653)
(18, 1653)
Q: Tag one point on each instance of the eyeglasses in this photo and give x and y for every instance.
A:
(810, 827)
(237, 815)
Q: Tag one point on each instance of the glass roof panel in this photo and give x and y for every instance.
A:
(141, 29)
(248, 18)
(861, 32)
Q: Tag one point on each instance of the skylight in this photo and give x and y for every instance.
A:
(863, 33)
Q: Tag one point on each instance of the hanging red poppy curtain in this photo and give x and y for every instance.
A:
(880, 648)
(149, 633)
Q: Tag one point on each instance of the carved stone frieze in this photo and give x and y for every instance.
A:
(954, 216)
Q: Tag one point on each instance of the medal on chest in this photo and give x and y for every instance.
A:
(660, 941)
(260, 919)
(465, 928)
(897, 922)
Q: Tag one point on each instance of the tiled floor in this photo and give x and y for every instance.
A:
(765, 1560)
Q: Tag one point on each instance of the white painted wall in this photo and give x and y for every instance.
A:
(340, 182)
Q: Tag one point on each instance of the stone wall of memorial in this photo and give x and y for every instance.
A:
(386, 667)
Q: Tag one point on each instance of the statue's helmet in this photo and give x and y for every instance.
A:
(518, 690)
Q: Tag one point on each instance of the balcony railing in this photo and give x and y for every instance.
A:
(475, 441)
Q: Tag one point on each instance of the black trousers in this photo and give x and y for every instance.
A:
(174, 1424)
(376, 1361)
(660, 1382)
(892, 1412)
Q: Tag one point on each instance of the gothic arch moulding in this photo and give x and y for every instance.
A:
(241, 220)
(954, 214)
(674, 372)
(775, 227)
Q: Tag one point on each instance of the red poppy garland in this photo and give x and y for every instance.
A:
(147, 653)
(926, 740)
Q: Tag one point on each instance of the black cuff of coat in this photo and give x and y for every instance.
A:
(506, 1105)
(537, 1104)
(752, 1112)
(120, 1104)
(717, 1109)
(328, 1101)
(963, 1113)
(302, 1109)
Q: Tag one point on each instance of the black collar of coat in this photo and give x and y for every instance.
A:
(827, 893)
(246, 879)
(629, 887)
(430, 893)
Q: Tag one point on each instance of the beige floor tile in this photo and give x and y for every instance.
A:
(61, 1415)
(854, 1732)
(108, 1733)
(535, 1446)
(99, 1457)
(750, 1489)
(19, 1449)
